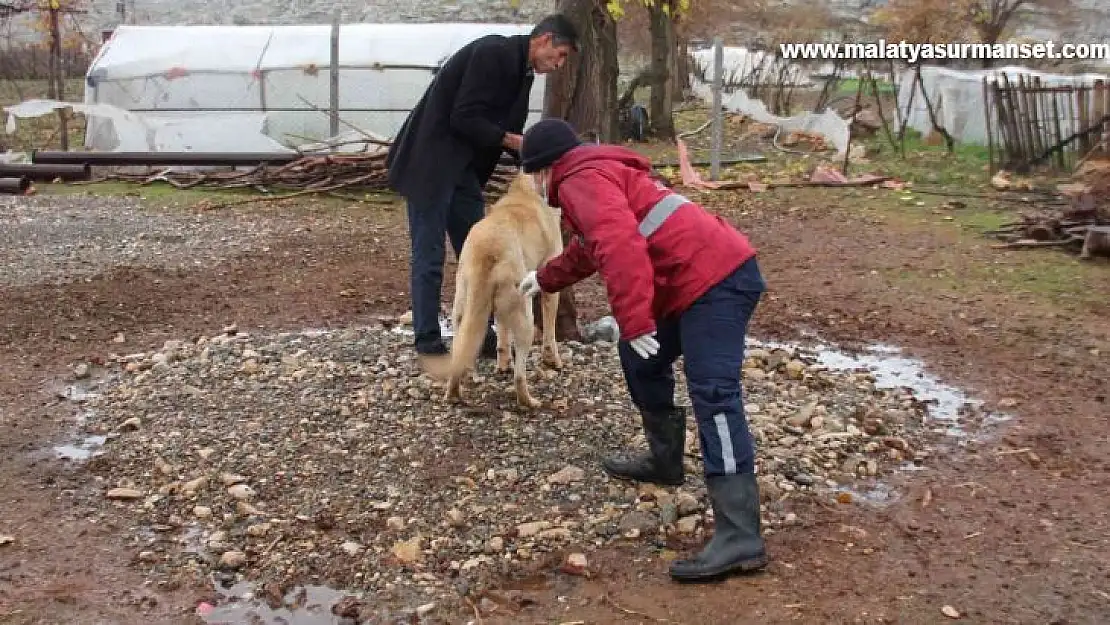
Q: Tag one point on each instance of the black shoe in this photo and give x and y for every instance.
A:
(489, 345)
(736, 545)
(432, 347)
(662, 463)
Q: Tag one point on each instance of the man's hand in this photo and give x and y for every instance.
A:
(646, 346)
(529, 286)
(512, 141)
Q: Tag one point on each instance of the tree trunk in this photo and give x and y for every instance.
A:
(680, 64)
(662, 89)
(584, 93)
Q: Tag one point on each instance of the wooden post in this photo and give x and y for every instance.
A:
(334, 73)
(718, 121)
(987, 121)
(57, 72)
(851, 126)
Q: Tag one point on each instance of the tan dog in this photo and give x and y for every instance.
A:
(518, 234)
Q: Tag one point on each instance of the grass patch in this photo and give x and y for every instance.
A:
(848, 86)
(162, 195)
(928, 164)
(1046, 276)
(155, 192)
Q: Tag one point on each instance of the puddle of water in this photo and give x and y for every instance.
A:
(305, 605)
(945, 403)
(80, 450)
(878, 494)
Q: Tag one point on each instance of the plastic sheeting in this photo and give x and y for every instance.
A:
(957, 98)
(740, 63)
(131, 132)
(192, 76)
(828, 124)
(743, 65)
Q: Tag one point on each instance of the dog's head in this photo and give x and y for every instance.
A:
(524, 185)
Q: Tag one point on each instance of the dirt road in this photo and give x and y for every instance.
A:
(1010, 530)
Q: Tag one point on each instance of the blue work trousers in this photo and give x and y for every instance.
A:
(710, 335)
(452, 214)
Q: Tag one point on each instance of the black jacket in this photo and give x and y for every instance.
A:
(480, 93)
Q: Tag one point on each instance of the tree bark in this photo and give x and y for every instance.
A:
(584, 93)
(662, 88)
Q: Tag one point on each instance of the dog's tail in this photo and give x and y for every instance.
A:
(473, 304)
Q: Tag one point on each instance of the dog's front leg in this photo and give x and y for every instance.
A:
(549, 305)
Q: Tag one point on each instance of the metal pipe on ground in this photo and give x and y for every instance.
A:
(161, 158)
(44, 172)
(15, 186)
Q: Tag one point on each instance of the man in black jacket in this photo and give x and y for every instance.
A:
(449, 146)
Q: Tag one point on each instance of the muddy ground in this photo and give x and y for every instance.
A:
(1010, 527)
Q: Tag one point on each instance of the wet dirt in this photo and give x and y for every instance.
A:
(1008, 525)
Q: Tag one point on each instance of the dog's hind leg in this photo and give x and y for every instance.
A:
(520, 322)
(549, 308)
(502, 344)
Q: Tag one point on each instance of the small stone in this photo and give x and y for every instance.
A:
(193, 486)
(795, 369)
(147, 556)
(242, 492)
(202, 512)
(687, 504)
(575, 564)
(425, 609)
(233, 560)
(566, 475)
(81, 371)
(124, 494)
(495, 545)
(351, 548)
(231, 479)
(638, 520)
(525, 530)
(395, 523)
(6, 540)
(455, 518)
(130, 425)
(668, 513)
(687, 524)
(950, 612)
(407, 551)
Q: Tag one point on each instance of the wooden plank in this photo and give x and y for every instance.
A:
(1039, 143)
(1061, 162)
(990, 138)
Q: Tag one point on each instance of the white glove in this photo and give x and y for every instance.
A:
(646, 346)
(529, 286)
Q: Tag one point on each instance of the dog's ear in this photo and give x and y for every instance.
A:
(527, 182)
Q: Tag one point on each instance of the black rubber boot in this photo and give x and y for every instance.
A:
(489, 345)
(662, 463)
(736, 545)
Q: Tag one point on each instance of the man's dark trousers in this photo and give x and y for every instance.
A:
(452, 213)
(710, 335)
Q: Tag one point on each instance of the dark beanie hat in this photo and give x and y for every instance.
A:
(545, 142)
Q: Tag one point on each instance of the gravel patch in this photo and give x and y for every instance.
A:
(325, 458)
(57, 239)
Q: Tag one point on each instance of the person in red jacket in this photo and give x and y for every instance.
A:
(680, 281)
